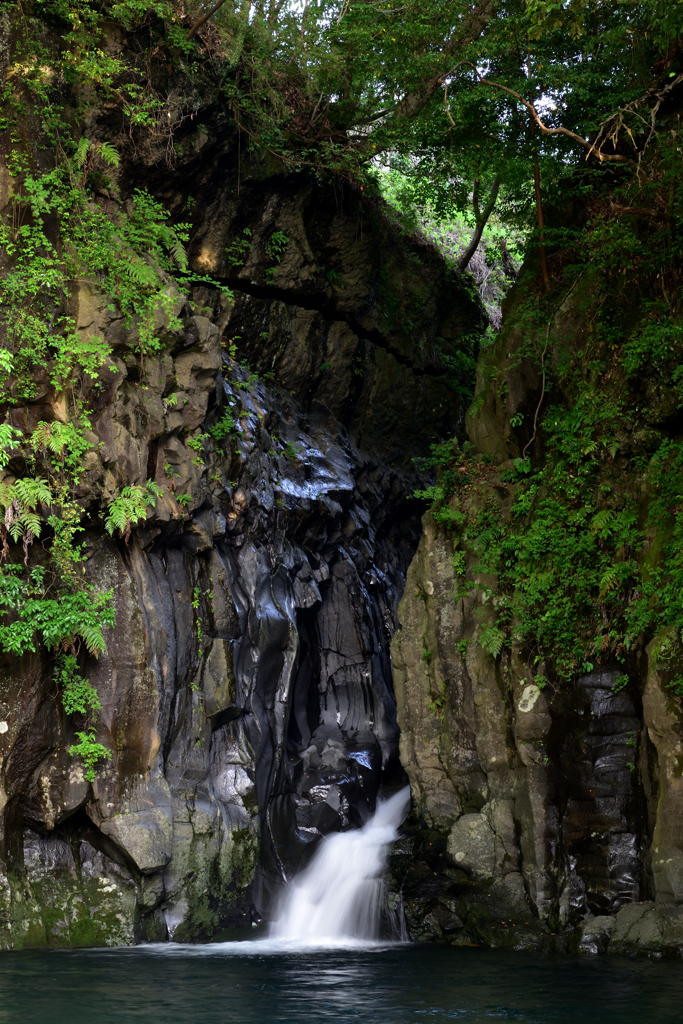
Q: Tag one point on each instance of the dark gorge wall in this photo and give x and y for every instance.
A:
(247, 686)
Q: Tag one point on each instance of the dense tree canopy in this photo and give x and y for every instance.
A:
(514, 95)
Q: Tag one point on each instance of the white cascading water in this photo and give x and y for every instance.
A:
(336, 899)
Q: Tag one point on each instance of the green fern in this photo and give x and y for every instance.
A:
(141, 273)
(603, 523)
(8, 438)
(130, 508)
(174, 246)
(109, 154)
(60, 622)
(612, 446)
(492, 639)
(609, 580)
(31, 492)
(19, 503)
(82, 150)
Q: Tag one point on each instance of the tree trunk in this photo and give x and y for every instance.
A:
(481, 220)
(539, 214)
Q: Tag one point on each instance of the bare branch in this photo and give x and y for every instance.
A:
(202, 19)
(590, 146)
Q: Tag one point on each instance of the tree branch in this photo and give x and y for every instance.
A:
(481, 219)
(203, 18)
(590, 146)
(470, 29)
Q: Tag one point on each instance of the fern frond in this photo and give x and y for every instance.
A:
(141, 273)
(92, 638)
(609, 580)
(15, 529)
(81, 151)
(492, 640)
(178, 253)
(612, 445)
(109, 154)
(32, 493)
(602, 522)
(30, 523)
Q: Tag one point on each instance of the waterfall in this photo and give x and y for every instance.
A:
(336, 899)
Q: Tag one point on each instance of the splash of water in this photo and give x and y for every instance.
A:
(336, 899)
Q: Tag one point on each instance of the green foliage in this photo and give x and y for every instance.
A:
(275, 250)
(61, 623)
(566, 561)
(196, 594)
(277, 244)
(19, 503)
(9, 436)
(237, 250)
(492, 640)
(78, 695)
(291, 451)
(197, 445)
(130, 508)
(225, 427)
(64, 444)
(90, 752)
(620, 683)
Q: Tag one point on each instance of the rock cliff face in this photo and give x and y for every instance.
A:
(250, 703)
(545, 818)
(246, 688)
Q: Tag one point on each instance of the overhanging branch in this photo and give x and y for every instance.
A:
(615, 158)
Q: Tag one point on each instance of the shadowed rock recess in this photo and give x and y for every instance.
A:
(246, 688)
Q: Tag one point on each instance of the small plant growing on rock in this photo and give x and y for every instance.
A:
(79, 697)
(224, 428)
(197, 445)
(237, 250)
(131, 507)
(89, 751)
(291, 451)
(492, 639)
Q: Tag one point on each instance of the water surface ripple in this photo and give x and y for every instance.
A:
(240, 983)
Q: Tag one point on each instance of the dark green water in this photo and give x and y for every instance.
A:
(405, 985)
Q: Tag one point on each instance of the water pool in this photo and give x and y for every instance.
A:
(399, 985)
